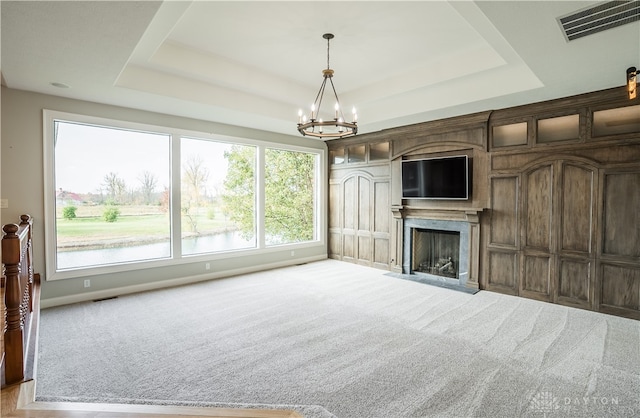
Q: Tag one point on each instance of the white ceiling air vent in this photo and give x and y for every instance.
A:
(601, 17)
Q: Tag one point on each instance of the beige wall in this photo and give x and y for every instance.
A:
(23, 185)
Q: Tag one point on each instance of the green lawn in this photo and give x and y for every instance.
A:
(85, 229)
(146, 225)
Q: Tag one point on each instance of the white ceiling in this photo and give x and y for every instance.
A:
(256, 63)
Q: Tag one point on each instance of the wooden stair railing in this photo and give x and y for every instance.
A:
(21, 303)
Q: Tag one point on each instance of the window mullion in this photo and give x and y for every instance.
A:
(260, 197)
(175, 193)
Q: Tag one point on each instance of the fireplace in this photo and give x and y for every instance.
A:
(436, 250)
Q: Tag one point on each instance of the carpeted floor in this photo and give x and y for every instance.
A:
(337, 339)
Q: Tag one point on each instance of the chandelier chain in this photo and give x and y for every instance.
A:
(328, 66)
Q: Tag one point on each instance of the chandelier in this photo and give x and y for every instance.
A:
(335, 126)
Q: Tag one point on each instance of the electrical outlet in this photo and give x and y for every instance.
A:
(207, 266)
(87, 283)
(4, 203)
(293, 253)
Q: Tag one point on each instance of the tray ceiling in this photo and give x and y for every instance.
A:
(255, 64)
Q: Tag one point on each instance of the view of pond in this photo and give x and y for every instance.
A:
(190, 246)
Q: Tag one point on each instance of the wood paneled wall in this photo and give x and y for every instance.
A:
(558, 210)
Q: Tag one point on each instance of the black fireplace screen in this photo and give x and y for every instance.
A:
(436, 252)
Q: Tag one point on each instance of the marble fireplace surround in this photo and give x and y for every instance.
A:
(464, 221)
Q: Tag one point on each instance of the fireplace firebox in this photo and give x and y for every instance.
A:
(437, 250)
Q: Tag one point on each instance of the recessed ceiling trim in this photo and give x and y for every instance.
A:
(599, 18)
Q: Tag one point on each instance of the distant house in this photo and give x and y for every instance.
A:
(64, 198)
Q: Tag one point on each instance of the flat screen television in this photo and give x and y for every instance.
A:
(446, 178)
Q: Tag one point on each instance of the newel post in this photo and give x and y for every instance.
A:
(14, 325)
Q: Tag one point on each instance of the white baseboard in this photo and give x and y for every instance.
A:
(118, 291)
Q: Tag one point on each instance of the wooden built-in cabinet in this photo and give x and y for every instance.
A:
(556, 192)
(359, 214)
(543, 227)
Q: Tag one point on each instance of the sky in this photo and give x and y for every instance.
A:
(85, 154)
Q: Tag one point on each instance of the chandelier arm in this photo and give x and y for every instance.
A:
(320, 96)
(320, 93)
(337, 100)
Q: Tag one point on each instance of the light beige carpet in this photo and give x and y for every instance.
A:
(345, 338)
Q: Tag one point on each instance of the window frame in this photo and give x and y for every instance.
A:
(318, 182)
(176, 257)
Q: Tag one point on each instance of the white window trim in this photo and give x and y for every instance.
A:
(176, 258)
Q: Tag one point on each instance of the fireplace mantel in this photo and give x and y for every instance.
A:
(471, 215)
(407, 215)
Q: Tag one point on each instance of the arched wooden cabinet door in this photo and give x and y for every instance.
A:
(558, 233)
(577, 235)
(538, 240)
(359, 224)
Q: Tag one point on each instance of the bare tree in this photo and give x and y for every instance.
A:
(148, 182)
(115, 186)
(194, 178)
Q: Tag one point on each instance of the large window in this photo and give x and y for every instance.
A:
(218, 196)
(121, 196)
(110, 195)
(290, 196)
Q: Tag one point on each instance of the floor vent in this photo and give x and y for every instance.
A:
(599, 18)
(107, 298)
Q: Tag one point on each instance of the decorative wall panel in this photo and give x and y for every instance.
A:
(335, 244)
(349, 203)
(364, 204)
(574, 282)
(381, 251)
(537, 276)
(622, 214)
(504, 213)
(334, 210)
(578, 206)
(538, 208)
(620, 288)
(503, 270)
(382, 211)
(348, 248)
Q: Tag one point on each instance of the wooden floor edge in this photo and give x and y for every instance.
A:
(17, 396)
(69, 409)
(19, 401)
